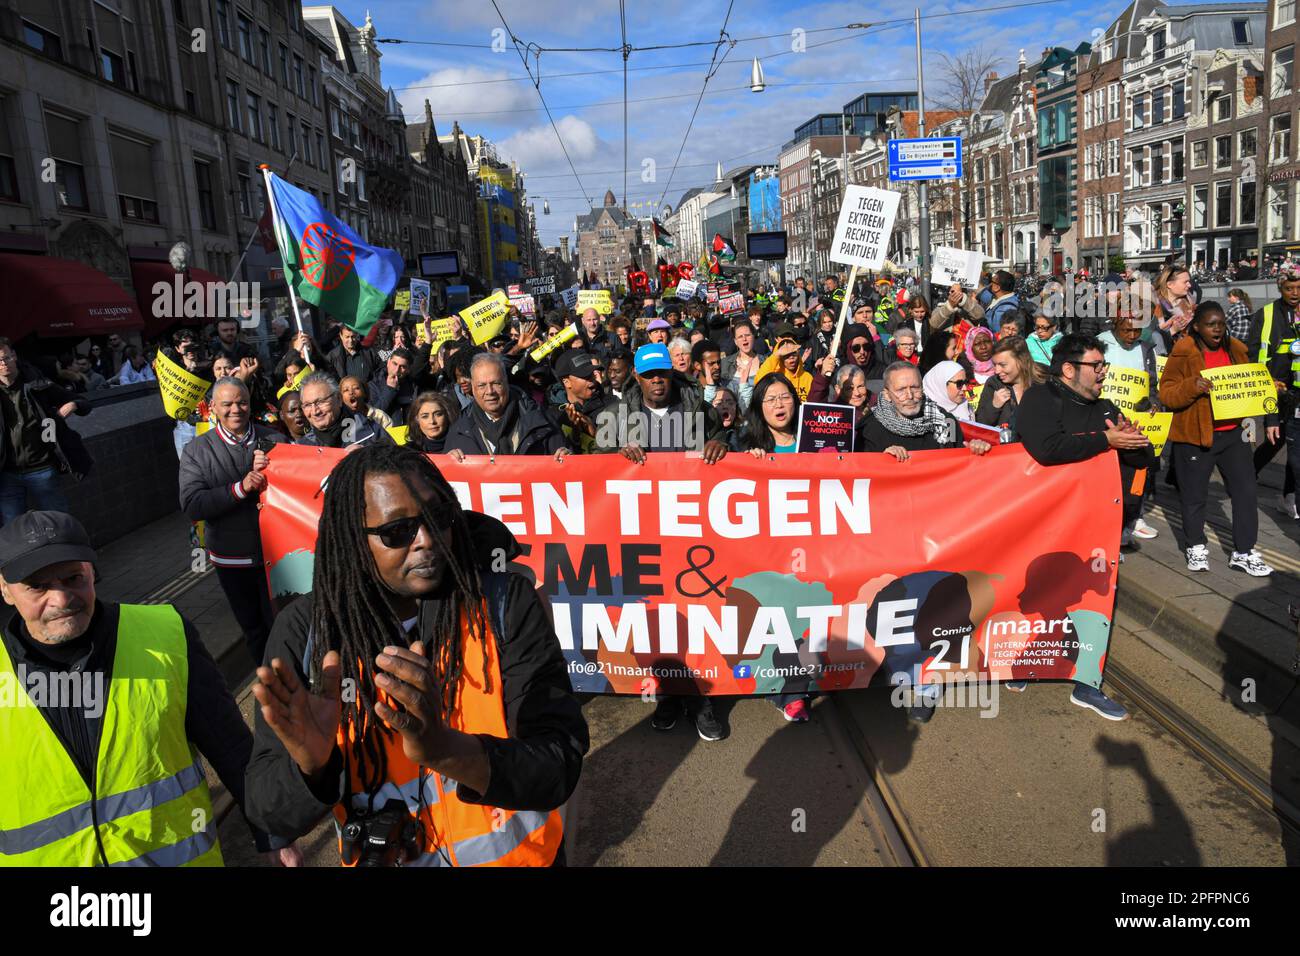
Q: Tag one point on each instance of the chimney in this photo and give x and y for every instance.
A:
(990, 80)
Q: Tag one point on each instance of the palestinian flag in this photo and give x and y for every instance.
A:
(327, 264)
(662, 236)
(714, 267)
(723, 249)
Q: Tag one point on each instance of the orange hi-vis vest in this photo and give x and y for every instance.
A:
(457, 833)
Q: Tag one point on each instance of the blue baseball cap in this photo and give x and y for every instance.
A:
(653, 358)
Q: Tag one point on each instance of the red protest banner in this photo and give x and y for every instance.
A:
(790, 573)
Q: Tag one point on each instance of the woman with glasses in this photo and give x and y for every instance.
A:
(1013, 373)
(1042, 339)
(945, 386)
(772, 427)
(904, 347)
(1201, 442)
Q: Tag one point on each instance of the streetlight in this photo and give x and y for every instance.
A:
(757, 84)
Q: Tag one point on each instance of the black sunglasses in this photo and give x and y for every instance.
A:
(401, 532)
(857, 348)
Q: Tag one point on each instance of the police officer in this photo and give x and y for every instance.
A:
(1275, 341)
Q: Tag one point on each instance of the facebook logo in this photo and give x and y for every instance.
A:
(741, 671)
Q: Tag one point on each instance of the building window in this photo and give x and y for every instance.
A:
(245, 195)
(1112, 102)
(69, 172)
(1200, 153)
(292, 129)
(1222, 204)
(311, 81)
(1176, 162)
(1241, 32)
(1112, 213)
(1157, 107)
(1222, 152)
(223, 22)
(297, 76)
(113, 68)
(1112, 157)
(273, 125)
(1279, 138)
(1247, 143)
(207, 201)
(8, 170)
(284, 66)
(264, 48)
(1180, 103)
(255, 117)
(133, 172)
(1282, 79)
(233, 106)
(244, 27)
(1284, 15)
(321, 156)
(42, 40)
(1246, 203)
(1279, 212)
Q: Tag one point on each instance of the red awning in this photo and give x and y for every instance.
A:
(146, 275)
(62, 297)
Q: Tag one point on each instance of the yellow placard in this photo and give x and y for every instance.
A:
(442, 329)
(296, 384)
(598, 299)
(486, 318)
(399, 434)
(1161, 361)
(1241, 391)
(1155, 425)
(1126, 387)
(402, 301)
(180, 388)
(566, 334)
(976, 395)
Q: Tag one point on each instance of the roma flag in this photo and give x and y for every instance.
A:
(327, 263)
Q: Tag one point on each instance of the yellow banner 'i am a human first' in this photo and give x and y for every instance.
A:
(180, 388)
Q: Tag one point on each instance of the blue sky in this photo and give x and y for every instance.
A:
(733, 126)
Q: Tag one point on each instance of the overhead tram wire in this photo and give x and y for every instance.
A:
(622, 17)
(722, 39)
(537, 85)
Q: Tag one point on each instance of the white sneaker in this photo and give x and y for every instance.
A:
(1250, 562)
(1143, 530)
(1198, 558)
(1286, 505)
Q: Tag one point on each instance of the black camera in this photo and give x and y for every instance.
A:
(389, 836)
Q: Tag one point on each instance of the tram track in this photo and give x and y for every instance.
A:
(1208, 747)
(898, 839)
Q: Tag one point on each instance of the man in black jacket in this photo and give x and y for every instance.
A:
(1273, 331)
(56, 629)
(36, 444)
(501, 420)
(350, 357)
(1066, 420)
(221, 480)
(480, 789)
(392, 388)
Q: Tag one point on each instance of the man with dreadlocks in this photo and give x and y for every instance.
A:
(417, 692)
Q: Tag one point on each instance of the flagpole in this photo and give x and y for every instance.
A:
(248, 245)
(276, 224)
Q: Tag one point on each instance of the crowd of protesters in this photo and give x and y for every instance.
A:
(917, 374)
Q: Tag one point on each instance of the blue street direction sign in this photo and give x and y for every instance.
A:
(933, 158)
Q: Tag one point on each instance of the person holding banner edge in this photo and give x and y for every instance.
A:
(1065, 420)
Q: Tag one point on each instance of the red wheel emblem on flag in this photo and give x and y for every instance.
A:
(326, 256)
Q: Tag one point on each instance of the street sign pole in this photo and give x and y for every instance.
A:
(924, 238)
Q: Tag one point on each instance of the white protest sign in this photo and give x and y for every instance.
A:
(686, 288)
(956, 265)
(569, 296)
(862, 233)
(419, 294)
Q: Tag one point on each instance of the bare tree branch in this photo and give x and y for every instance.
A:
(961, 78)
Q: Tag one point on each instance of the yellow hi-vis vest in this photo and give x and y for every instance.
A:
(149, 805)
(1284, 343)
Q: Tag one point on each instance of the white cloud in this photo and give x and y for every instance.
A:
(457, 92)
(536, 148)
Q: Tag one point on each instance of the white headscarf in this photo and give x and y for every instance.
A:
(935, 384)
